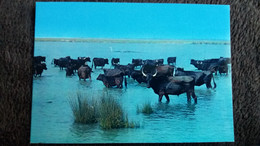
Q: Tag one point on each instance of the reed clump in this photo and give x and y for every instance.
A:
(112, 115)
(145, 109)
(106, 111)
(85, 110)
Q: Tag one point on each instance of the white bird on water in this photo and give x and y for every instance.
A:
(111, 49)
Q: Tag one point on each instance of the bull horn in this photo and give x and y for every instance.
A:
(143, 73)
(155, 73)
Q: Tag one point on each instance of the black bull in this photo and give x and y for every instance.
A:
(171, 60)
(165, 86)
(115, 61)
(39, 59)
(38, 69)
(199, 77)
(99, 62)
(137, 62)
(112, 77)
(214, 65)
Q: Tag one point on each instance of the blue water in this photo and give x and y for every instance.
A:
(210, 120)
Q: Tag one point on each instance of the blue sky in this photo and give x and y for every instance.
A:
(132, 21)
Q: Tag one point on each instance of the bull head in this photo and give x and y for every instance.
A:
(152, 75)
(149, 77)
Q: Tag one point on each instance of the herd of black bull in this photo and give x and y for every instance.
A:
(154, 73)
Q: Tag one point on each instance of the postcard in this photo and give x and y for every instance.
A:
(131, 73)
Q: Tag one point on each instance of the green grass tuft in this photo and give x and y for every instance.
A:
(85, 110)
(112, 115)
(106, 111)
(147, 108)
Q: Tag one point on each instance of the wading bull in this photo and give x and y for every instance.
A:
(77, 63)
(165, 86)
(112, 77)
(62, 62)
(213, 65)
(115, 61)
(99, 62)
(137, 62)
(69, 71)
(38, 69)
(171, 60)
(199, 77)
(84, 72)
(39, 59)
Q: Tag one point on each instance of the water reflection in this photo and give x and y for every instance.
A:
(83, 130)
(113, 92)
(169, 111)
(86, 83)
(110, 135)
(205, 94)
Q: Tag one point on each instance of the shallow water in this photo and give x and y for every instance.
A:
(210, 120)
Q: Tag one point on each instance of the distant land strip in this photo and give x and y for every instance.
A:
(214, 42)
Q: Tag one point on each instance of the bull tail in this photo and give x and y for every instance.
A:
(125, 82)
(215, 85)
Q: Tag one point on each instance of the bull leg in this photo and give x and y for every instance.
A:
(89, 78)
(160, 98)
(188, 96)
(208, 85)
(226, 69)
(167, 97)
(194, 96)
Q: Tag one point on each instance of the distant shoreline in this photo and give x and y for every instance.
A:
(100, 40)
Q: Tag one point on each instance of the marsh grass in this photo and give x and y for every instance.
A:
(112, 115)
(85, 110)
(145, 109)
(104, 110)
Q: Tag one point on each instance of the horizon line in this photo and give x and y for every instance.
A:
(71, 39)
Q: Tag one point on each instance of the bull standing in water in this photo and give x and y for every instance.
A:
(84, 72)
(112, 77)
(99, 62)
(199, 77)
(38, 66)
(165, 85)
(38, 69)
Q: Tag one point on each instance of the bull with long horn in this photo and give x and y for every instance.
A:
(164, 85)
